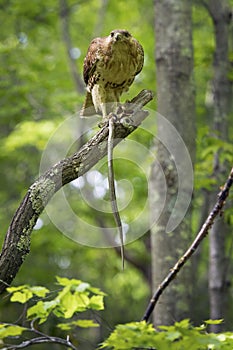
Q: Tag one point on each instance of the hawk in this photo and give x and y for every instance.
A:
(110, 66)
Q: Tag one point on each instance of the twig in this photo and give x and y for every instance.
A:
(17, 241)
(41, 340)
(222, 196)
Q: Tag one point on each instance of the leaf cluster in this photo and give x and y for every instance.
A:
(73, 296)
(181, 335)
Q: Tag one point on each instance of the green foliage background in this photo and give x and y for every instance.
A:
(37, 93)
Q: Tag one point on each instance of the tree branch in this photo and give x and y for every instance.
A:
(41, 340)
(222, 196)
(17, 241)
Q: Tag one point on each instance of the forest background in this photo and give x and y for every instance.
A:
(43, 44)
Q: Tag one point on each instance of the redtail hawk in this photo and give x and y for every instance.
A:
(110, 66)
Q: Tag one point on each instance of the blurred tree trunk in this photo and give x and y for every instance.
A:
(176, 102)
(222, 101)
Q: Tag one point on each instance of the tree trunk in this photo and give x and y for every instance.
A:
(222, 100)
(175, 93)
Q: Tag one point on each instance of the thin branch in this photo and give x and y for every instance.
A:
(222, 196)
(41, 340)
(17, 241)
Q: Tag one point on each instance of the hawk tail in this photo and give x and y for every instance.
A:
(88, 108)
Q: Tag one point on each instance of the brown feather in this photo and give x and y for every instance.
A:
(110, 66)
(88, 108)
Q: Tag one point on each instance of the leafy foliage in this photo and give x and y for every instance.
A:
(79, 323)
(72, 298)
(9, 330)
(181, 335)
(24, 293)
(75, 297)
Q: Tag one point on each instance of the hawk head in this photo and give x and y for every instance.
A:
(120, 35)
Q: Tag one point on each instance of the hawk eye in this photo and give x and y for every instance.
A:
(127, 34)
(112, 34)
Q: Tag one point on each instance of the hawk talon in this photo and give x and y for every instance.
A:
(105, 120)
(113, 116)
(127, 121)
(120, 109)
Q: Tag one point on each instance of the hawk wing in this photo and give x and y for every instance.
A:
(140, 55)
(91, 59)
(89, 68)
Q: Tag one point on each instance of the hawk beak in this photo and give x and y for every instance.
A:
(118, 36)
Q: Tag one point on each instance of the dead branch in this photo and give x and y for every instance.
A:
(17, 241)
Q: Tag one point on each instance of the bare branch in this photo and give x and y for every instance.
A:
(17, 241)
(41, 340)
(191, 250)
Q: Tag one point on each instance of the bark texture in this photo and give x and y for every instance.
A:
(175, 92)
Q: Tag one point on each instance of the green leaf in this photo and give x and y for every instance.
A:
(41, 310)
(78, 323)
(39, 291)
(82, 287)
(22, 297)
(36, 311)
(24, 293)
(71, 303)
(7, 330)
(63, 281)
(85, 323)
(16, 289)
(97, 291)
(172, 336)
(96, 302)
(220, 321)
